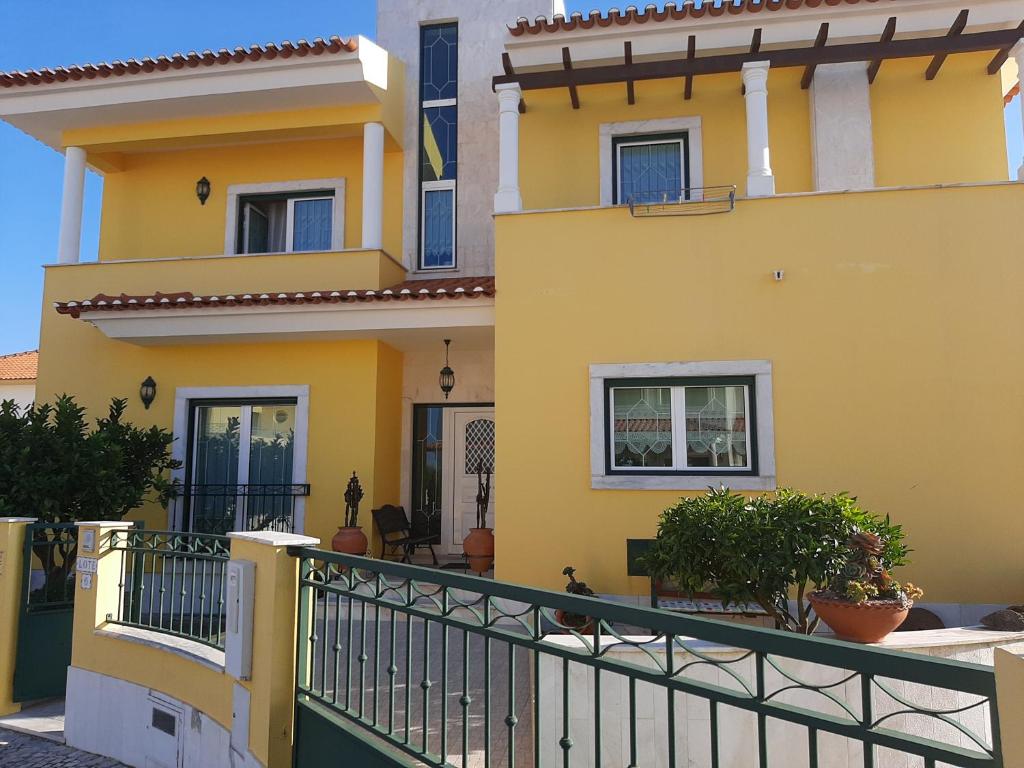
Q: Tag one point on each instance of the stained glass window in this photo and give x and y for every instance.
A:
(428, 451)
(439, 83)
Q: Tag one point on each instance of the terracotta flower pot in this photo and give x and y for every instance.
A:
(478, 547)
(350, 540)
(867, 622)
(572, 620)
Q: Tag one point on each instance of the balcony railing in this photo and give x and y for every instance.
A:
(220, 508)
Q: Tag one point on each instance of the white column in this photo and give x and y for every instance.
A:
(507, 198)
(373, 185)
(70, 241)
(1018, 54)
(759, 168)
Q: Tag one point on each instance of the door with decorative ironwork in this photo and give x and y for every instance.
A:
(473, 461)
(47, 610)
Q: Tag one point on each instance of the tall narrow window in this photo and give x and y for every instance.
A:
(439, 63)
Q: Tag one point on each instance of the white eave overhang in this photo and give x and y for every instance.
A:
(377, 320)
(784, 28)
(340, 79)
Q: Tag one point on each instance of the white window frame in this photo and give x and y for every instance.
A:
(641, 141)
(433, 186)
(180, 446)
(600, 451)
(289, 232)
(235, 191)
(639, 128)
(677, 394)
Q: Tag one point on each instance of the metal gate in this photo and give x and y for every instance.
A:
(47, 611)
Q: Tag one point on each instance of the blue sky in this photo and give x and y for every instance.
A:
(32, 38)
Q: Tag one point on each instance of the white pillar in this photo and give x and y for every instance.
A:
(507, 198)
(70, 241)
(759, 168)
(373, 186)
(1018, 53)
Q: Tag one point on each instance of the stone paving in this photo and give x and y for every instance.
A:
(19, 750)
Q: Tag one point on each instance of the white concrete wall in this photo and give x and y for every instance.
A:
(21, 393)
(482, 35)
(112, 717)
(841, 139)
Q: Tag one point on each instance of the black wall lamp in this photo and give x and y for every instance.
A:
(147, 392)
(447, 377)
(203, 190)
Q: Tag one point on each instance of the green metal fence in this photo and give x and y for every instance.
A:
(454, 670)
(173, 582)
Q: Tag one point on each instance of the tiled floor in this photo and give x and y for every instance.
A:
(19, 750)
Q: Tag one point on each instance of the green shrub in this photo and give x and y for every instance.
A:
(765, 549)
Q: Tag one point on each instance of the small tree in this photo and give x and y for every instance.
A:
(54, 468)
(762, 550)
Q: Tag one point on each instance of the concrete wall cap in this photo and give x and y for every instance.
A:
(275, 538)
(18, 519)
(106, 523)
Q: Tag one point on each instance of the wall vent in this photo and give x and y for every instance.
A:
(164, 721)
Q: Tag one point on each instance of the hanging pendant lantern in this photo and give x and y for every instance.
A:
(447, 377)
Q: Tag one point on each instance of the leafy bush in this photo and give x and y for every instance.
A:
(764, 549)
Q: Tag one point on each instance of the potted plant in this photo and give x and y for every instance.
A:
(478, 546)
(575, 621)
(350, 538)
(771, 550)
(864, 603)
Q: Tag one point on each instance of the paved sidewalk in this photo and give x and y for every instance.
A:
(18, 750)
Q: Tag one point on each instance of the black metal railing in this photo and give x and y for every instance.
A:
(173, 583)
(52, 548)
(220, 508)
(457, 670)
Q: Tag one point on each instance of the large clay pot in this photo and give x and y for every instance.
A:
(478, 547)
(867, 622)
(351, 541)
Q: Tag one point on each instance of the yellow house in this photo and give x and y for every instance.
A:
(753, 244)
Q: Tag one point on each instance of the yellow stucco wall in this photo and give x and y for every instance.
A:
(920, 129)
(354, 385)
(895, 375)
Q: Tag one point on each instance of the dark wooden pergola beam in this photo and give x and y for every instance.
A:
(691, 54)
(1003, 54)
(887, 35)
(954, 31)
(755, 41)
(819, 42)
(506, 64)
(630, 91)
(974, 42)
(574, 96)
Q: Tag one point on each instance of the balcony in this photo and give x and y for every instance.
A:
(220, 508)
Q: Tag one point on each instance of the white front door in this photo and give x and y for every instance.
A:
(472, 430)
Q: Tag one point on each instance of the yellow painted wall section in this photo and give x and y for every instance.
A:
(896, 371)
(12, 542)
(388, 444)
(150, 209)
(944, 131)
(343, 377)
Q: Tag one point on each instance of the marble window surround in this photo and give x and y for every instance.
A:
(639, 128)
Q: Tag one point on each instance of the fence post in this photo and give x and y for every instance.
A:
(12, 545)
(1010, 695)
(271, 689)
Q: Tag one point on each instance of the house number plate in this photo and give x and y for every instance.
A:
(86, 565)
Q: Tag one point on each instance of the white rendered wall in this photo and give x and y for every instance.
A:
(482, 36)
(22, 394)
(842, 146)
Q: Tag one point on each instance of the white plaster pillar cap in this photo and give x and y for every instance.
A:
(106, 523)
(755, 74)
(18, 519)
(274, 538)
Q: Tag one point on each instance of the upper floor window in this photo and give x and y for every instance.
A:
(439, 61)
(651, 169)
(286, 216)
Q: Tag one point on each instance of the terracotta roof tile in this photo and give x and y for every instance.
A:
(191, 59)
(669, 11)
(410, 290)
(20, 365)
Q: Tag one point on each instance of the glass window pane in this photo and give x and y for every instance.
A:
(312, 227)
(211, 498)
(642, 426)
(439, 62)
(271, 444)
(257, 230)
(428, 450)
(438, 229)
(650, 173)
(440, 143)
(716, 427)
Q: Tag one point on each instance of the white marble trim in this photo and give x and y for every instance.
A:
(638, 128)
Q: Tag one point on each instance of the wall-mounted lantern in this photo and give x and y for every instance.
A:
(203, 190)
(147, 392)
(447, 377)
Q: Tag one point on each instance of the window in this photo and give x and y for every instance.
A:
(439, 60)
(287, 221)
(651, 169)
(682, 426)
